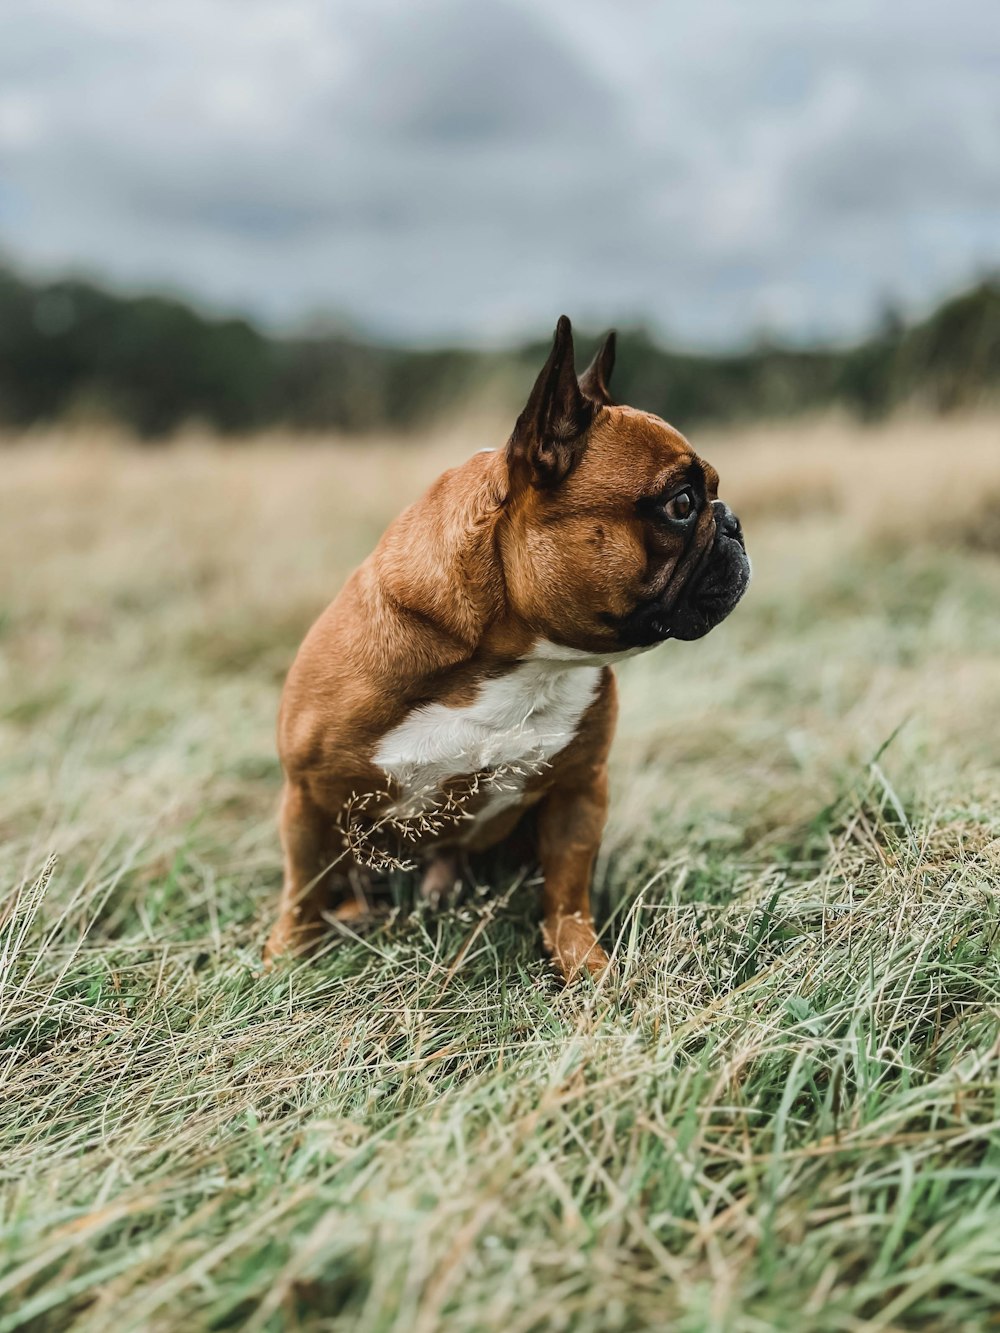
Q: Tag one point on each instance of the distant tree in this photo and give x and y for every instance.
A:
(154, 362)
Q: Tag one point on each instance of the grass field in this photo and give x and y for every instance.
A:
(782, 1113)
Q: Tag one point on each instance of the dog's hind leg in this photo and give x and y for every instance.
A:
(316, 874)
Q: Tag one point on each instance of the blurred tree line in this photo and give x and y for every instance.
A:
(70, 348)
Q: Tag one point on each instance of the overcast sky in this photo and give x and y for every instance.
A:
(470, 168)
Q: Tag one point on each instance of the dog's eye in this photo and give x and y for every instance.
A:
(680, 506)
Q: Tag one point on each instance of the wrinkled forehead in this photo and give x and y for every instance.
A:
(641, 451)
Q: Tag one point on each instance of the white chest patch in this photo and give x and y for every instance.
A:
(515, 725)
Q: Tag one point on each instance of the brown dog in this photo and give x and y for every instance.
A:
(463, 673)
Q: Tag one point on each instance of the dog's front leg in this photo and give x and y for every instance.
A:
(570, 822)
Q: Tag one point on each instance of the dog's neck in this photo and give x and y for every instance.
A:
(440, 561)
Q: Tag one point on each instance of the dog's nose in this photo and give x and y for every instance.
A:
(726, 521)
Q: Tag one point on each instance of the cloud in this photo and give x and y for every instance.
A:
(459, 170)
(460, 75)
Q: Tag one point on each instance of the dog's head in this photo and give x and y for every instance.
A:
(614, 537)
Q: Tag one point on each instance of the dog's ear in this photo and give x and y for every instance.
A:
(596, 379)
(550, 433)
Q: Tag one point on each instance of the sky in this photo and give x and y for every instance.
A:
(440, 170)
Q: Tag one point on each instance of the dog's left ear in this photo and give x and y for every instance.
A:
(550, 433)
(596, 379)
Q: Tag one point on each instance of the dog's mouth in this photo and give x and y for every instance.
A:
(724, 579)
(711, 591)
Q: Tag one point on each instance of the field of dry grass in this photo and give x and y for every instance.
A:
(784, 1113)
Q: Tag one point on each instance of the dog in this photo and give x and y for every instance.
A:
(463, 677)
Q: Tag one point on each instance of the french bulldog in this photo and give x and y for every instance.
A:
(464, 674)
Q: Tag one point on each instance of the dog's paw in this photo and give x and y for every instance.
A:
(441, 880)
(573, 945)
(291, 937)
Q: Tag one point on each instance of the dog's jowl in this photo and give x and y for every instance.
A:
(464, 674)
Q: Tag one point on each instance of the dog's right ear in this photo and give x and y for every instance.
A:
(550, 434)
(596, 379)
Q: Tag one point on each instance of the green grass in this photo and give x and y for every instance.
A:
(783, 1112)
